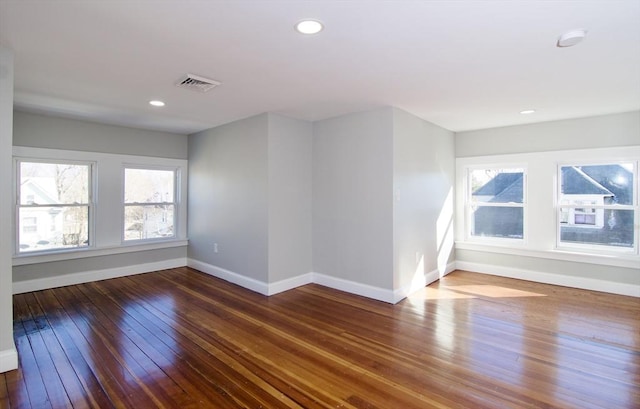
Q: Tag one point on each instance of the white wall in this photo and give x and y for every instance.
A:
(541, 147)
(250, 193)
(423, 184)
(353, 198)
(290, 187)
(229, 197)
(8, 354)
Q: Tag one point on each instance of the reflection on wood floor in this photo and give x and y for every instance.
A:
(182, 339)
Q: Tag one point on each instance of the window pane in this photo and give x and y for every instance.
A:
(50, 228)
(598, 184)
(497, 185)
(616, 228)
(148, 222)
(148, 186)
(493, 221)
(53, 183)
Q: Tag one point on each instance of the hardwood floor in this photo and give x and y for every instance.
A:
(182, 339)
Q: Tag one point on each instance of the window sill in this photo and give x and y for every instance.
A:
(614, 260)
(25, 259)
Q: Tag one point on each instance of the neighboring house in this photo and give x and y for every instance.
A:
(499, 221)
(596, 185)
(39, 224)
(578, 188)
(585, 189)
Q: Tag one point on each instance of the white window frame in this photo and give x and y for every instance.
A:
(17, 231)
(175, 203)
(108, 188)
(469, 204)
(541, 214)
(596, 248)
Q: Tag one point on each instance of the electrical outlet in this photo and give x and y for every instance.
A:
(215, 247)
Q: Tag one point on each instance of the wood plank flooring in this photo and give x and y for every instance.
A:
(182, 339)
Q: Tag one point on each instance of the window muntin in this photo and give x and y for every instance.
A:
(53, 206)
(597, 206)
(496, 201)
(150, 207)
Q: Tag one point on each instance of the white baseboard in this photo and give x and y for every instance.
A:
(290, 283)
(261, 287)
(96, 275)
(549, 278)
(418, 284)
(251, 283)
(8, 360)
(235, 278)
(365, 290)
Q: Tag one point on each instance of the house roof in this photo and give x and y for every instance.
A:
(43, 188)
(500, 183)
(511, 194)
(605, 180)
(615, 178)
(462, 65)
(576, 182)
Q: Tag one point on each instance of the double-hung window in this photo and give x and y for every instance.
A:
(597, 206)
(54, 205)
(149, 203)
(496, 202)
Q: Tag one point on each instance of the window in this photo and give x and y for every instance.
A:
(54, 205)
(149, 203)
(596, 205)
(496, 202)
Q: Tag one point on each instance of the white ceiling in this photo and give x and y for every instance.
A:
(460, 64)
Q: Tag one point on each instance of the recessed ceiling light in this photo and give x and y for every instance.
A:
(571, 38)
(309, 27)
(156, 103)
(528, 111)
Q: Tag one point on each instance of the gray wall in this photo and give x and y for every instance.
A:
(41, 131)
(96, 263)
(593, 132)
(424, 178)
(572, 270)
(8, 358)
(353, 197)
(228, 197)
(290, 189)
(583, 133)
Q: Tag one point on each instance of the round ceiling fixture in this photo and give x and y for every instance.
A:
(571, 38)
(309, 27)
(528, 111)
(156, 103)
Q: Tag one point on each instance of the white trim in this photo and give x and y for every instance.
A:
(8, 360)
(365, 290)
(20, 287)
(235, 278)
(417, 285)
(290, 283)
(23, 259)
(107, 202)
(632, 290)
(614, 260)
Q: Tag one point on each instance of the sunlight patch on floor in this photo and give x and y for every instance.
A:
(430, 293)
(461, 292)
(493, 291)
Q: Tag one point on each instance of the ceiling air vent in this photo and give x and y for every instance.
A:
(197, 83)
